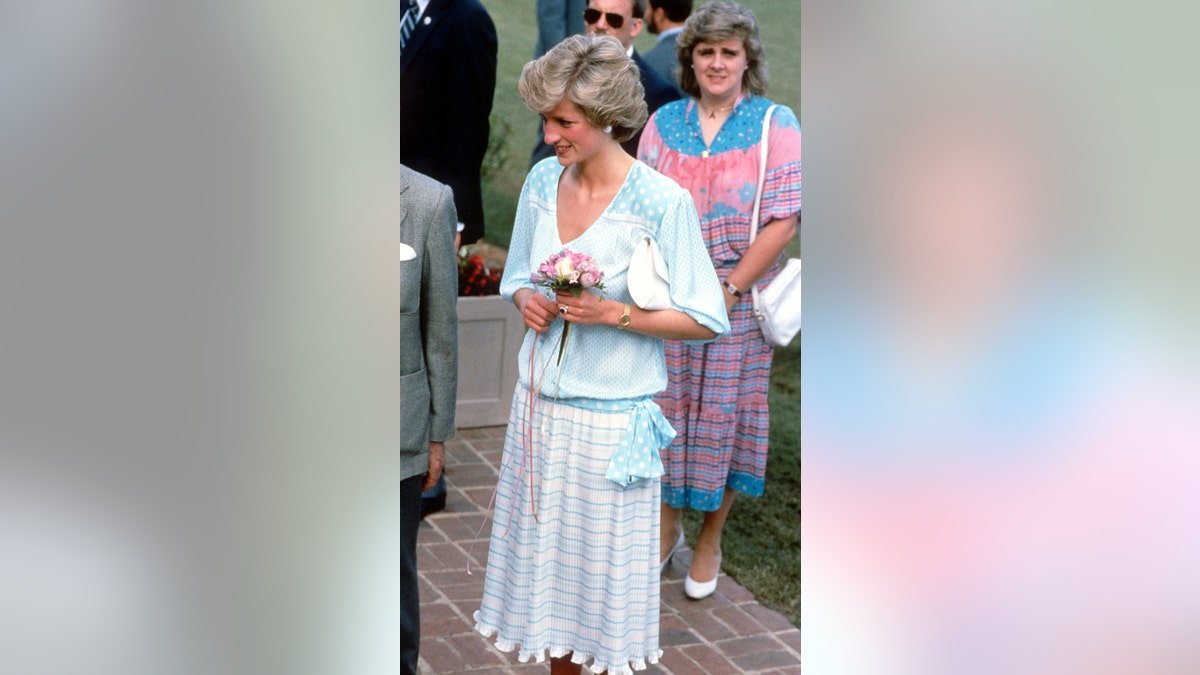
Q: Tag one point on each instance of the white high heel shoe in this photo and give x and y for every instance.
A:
(698, 590)
(674, 549)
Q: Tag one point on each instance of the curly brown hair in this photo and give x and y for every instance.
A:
(717, 21)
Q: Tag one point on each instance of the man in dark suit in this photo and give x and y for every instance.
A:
(665, 18)
(428, 371)
(447, 80)
(622, 19)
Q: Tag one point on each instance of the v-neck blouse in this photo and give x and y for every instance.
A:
(603, 362)
(558, 189)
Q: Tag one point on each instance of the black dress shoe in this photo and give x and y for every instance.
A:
(434, 499)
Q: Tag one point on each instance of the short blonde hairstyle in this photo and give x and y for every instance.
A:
(594, 73)
(718, 21)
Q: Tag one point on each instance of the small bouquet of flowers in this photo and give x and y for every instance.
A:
(572, 272)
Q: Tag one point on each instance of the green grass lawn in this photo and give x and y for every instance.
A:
(762, 536)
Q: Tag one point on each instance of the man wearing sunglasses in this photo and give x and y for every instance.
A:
(622, 19)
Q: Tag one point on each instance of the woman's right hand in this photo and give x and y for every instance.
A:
(537, 310)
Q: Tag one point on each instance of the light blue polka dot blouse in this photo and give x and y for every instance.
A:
(603, 362)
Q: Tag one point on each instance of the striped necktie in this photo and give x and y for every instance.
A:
(408, 20)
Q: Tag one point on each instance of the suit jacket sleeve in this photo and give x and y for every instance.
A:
(470, 110)
(439, 317)
(557, 20)
(552, 25)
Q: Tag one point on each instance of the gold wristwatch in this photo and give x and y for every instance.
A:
(623, 322)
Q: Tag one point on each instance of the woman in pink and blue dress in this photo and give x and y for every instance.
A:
(572, 568)
(717, 397)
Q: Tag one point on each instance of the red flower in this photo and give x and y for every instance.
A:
(475, 278)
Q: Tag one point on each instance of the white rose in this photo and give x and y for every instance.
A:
(563, 268)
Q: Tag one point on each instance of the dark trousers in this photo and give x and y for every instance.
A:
(410, 603)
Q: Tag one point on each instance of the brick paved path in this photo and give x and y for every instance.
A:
(726, 633)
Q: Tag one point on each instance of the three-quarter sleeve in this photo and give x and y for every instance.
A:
(781, 192)
(439, 281)
(517, 266)
(695, 289)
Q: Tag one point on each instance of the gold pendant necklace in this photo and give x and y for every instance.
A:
(712, 112)
(712, 115)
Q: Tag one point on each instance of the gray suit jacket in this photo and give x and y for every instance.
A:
(557, 20)
(428, 319)
(663, 60)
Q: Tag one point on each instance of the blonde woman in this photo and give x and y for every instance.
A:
(572, 570)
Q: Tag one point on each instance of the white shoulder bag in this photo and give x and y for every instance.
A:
(777, 308)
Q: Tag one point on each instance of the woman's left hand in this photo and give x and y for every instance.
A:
(730, 301)
(588, 308)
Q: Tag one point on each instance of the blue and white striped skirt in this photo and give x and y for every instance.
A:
(582, 577)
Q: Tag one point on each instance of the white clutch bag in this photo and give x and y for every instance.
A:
(649, 285)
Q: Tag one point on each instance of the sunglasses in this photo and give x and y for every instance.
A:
(593, 15)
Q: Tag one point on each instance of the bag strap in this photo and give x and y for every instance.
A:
(762, 179)
(762, 173)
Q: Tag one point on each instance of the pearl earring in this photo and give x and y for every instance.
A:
(608, 129)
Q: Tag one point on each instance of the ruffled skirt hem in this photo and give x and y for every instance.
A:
(525, 654)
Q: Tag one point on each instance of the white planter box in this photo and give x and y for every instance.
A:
(490, 330)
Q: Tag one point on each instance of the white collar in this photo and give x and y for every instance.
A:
(669, 32)
(628, 52)
(422, 5)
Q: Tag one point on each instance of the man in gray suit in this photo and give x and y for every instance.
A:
(428, 370)
(665, 18)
